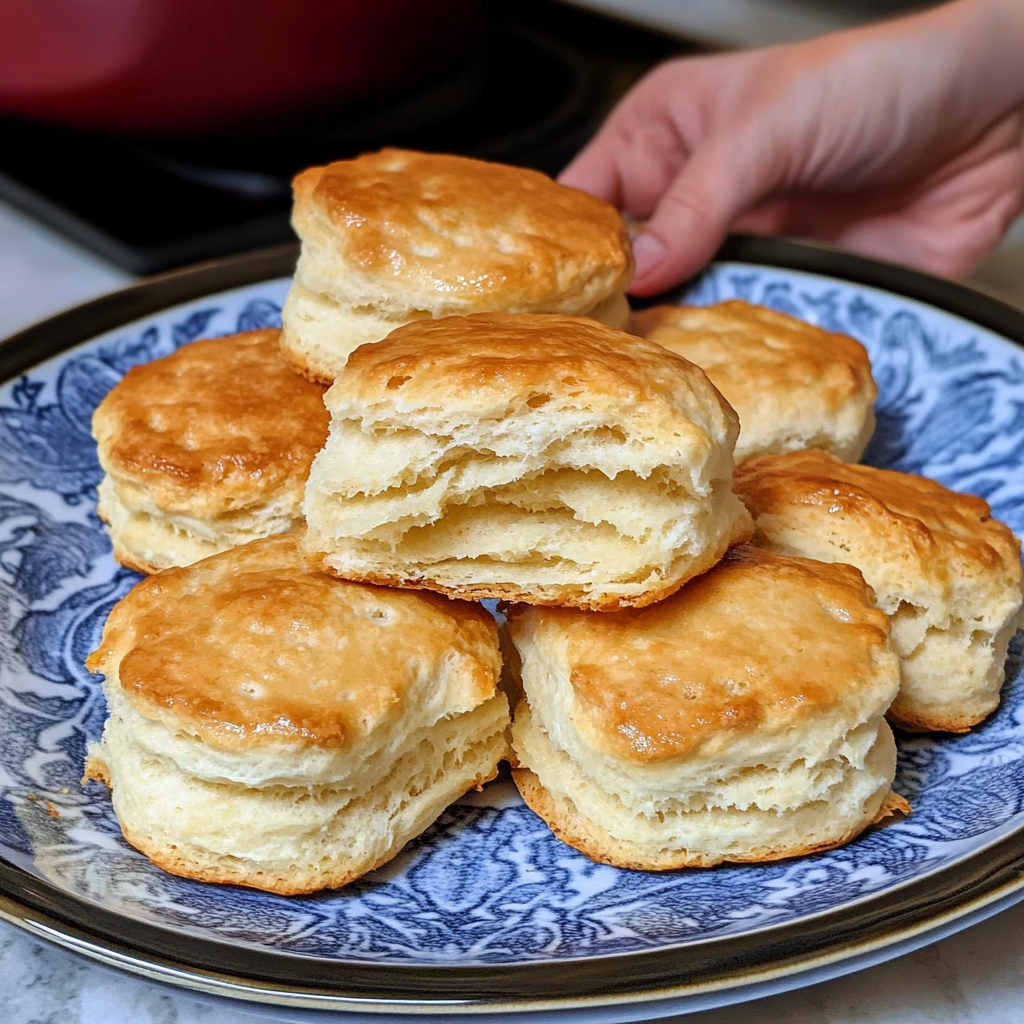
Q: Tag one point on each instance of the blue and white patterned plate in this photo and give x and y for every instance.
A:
(488, 886)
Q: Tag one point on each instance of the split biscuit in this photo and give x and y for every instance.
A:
(946, 573)
(741, 719)
(274, 727)
(205, 449)
(793, 385)
(398, 236)
(537, 458)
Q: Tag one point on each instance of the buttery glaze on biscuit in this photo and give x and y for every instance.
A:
(740, 719)
(431, 217)
(272, 727)
(668, 680)
(539, 458)
(793, 385)
(204, 449)
(947, 573)
(398, 236)
(257, 646)
(911, 516)
(497, 364)
(212, 427)
(674, 679)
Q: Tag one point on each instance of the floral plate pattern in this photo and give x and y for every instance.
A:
(488, 884)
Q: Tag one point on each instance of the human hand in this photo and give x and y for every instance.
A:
(903, 140)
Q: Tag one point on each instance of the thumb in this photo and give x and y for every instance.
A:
(722, 180)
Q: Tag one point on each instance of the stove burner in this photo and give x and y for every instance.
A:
(526, 100)
(150, 204)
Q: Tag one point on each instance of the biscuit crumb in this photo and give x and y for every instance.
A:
(51, 810)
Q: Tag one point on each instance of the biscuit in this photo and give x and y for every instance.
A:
(539, 458)
(792, 385)
(397, 236)
(204, 449)
(273, 727)
(946, 573)
(741, 719)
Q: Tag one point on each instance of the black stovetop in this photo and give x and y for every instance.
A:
(534, 92)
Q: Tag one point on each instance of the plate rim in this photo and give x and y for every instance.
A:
(159, 954)
(992, 875)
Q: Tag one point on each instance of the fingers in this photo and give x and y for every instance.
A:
(948, 244)
(595, 169)
(650, 163)
(636, 153)
(725, 178)
(668, 154)
(946, 223)
(629, 167)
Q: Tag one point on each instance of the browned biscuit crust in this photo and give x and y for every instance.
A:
(587, 836)
(219, 425)
(796, 633)
(493, 363)
(189, 861)
(903, 718)
(792, 384)
(907, 515)
(948, 573)
(304, 367)
(241, 649)
(129, 559)
(472, 234)
(96, 771)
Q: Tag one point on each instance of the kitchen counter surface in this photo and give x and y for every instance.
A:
(976, 976)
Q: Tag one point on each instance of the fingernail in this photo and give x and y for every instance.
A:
(648, 253)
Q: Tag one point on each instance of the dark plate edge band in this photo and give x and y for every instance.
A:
(816, 258)
(288, 979)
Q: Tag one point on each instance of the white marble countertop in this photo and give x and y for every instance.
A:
(976, 977)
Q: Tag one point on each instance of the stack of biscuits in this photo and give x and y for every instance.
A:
(712, 613)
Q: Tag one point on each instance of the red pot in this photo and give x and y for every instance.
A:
(201, 65)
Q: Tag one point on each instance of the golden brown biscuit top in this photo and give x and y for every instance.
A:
(758, 642)
(450, 225)
(252, 646)
(901, 510)
(493, 363)
(217, 425)
(749, 350)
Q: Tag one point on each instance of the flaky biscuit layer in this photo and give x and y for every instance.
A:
(206, 448)
(597, 824)
(295, 839)
(397, 236)
(946, 573)
(740, 719)
(539, 458)
(793, 385)
(149, 540)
